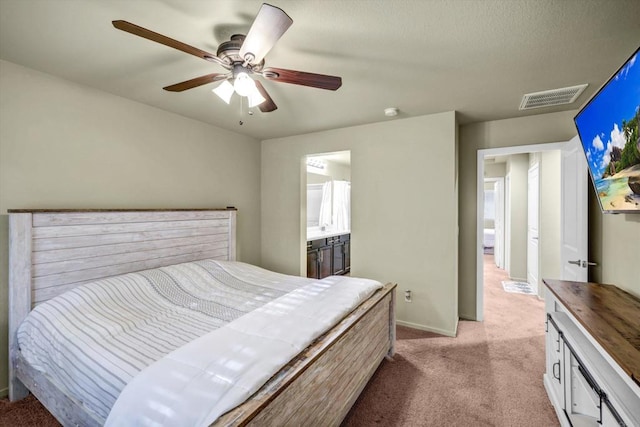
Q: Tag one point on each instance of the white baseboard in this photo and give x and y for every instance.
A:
(429, 328)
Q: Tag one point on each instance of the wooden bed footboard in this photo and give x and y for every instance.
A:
(320, 385)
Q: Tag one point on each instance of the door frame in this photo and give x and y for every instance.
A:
(533, 168)
(506, 256)
(499, 185)
(503, 151)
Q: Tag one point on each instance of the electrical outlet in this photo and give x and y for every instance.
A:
(407, 296)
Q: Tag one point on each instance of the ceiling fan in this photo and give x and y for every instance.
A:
(242, 56)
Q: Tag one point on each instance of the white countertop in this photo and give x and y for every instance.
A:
(320, 234)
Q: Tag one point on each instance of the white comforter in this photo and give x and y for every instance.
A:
(202, 380)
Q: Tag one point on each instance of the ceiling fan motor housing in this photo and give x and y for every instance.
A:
(229, 51)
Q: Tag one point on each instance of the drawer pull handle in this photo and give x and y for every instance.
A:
(554, 371)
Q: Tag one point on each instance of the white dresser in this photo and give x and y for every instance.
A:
(592, 354)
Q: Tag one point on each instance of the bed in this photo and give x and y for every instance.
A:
(489, 239)
(52, 252)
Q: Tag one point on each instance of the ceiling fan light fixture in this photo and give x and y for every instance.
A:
(224, 91)
(255, 98)
(243, 84)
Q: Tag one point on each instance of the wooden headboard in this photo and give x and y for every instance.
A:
(53, 251)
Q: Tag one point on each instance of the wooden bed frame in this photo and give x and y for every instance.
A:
(52, 251)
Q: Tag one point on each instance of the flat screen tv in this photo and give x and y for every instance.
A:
(608, 129)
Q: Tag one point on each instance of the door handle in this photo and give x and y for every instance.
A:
(583, 264)
(554, 371)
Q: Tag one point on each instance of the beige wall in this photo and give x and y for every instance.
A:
(614, 243)
(549, 237)
(517, 212)
(488, 223)
(63, 145)
(314, 178)
(494, 170)
(403, 209)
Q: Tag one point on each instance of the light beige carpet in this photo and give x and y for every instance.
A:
(489, 375)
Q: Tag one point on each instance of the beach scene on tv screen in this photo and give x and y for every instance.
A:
(608, 128)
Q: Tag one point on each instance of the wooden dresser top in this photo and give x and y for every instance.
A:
(609, 314)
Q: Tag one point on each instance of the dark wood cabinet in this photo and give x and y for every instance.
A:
(313, 265)
(326, 266)
(347, 256)
(328, 256)
(338, 258)
(342, 254)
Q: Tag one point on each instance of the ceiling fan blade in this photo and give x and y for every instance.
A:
(159, 38)
(268, 105)
(198, 81)
(270, 24)
(320, 81)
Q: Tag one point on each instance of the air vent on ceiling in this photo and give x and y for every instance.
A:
(548, 98)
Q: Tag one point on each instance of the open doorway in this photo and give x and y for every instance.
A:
(328, 216)
(529, 230)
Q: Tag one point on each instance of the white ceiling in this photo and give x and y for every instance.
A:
(422, 56)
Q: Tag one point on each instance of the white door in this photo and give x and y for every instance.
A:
(507, 223)
(498, 191)
(533, 197)
(574, 227)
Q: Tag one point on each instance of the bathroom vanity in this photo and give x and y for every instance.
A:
(328, 254)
